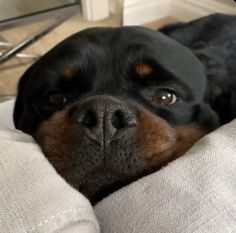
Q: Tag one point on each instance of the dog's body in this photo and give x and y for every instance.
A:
(109, 105)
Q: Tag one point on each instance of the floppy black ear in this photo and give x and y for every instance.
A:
(19, 104)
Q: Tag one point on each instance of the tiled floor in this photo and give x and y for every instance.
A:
(13, 69)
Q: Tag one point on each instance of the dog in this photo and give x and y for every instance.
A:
(108, 106)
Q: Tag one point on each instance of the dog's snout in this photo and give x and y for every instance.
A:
(104, 118)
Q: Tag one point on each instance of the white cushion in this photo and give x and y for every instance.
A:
(6, 114)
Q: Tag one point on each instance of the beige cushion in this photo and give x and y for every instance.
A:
(33, 197)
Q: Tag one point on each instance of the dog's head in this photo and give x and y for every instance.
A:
(109, 105)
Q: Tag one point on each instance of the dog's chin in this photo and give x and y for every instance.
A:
(98, 185)
(101, 183)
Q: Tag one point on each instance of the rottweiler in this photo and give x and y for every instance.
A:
(110, 105)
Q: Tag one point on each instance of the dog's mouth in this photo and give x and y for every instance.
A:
(100, 183)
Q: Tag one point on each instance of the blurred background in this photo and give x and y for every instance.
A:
(29, 28)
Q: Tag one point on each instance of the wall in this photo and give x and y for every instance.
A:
(137, 12)
(186, 10)
(116, 6)
(143, 11)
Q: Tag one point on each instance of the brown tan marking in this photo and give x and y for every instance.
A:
(68, 73)
(161, 143)
(186, 137)
(157, 139)
(56, 136)
(143, 70)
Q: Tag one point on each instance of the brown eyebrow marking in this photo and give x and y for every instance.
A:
(143, 70)
(217, 91)
(68, 72)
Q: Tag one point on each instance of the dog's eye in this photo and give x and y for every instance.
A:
(56, 98)
(164, 97)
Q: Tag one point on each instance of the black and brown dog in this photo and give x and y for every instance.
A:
(110, 105)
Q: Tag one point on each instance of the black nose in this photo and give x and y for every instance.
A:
(105, 118)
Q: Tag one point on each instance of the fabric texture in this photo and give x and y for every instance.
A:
(6, 114)
(33, 197)
(195, 193)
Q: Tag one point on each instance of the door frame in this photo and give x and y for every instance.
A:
(93, 10)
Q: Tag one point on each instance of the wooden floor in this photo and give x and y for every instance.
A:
(11, 71)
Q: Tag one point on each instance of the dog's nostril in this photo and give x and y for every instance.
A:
(88, 119)
(123, 119)
(118, 119)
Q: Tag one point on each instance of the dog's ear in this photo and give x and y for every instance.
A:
(19, 104)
